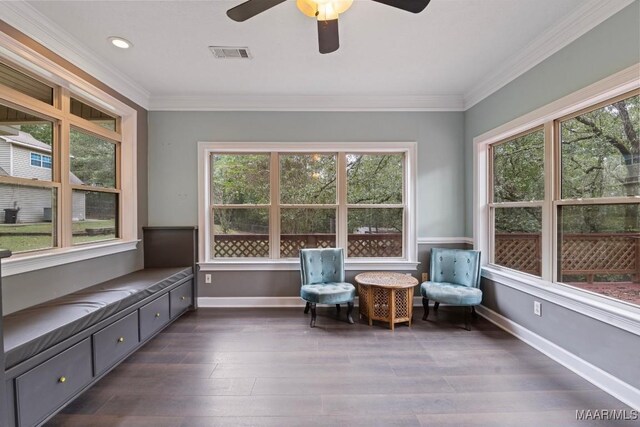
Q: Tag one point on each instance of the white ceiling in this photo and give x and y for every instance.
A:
(457, 50)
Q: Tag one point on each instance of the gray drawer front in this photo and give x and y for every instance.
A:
(154, 316)
(46, 387)
(115, 341)
(181, 298)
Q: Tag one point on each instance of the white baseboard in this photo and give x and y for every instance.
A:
(601, 379)
(253, 302)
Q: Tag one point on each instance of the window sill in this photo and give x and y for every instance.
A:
(292, 265)
(619, 314)
(23, 263)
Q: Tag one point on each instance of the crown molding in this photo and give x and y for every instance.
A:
(307, 103)
(25, 18)
(584, 18)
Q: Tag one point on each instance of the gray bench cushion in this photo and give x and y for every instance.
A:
(32, 330)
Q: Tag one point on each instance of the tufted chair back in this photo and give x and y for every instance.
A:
(457, 266)
(321, 266)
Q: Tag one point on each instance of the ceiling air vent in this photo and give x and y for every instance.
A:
(230, 52)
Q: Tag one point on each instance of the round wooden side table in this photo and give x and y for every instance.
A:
(386, 296)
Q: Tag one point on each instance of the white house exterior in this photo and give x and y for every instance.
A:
(23, 156)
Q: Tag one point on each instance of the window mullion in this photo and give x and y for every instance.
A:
(65, 203)
(341, 223)
(274, 211)
(548, 215)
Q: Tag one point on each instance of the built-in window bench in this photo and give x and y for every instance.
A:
(56, 350)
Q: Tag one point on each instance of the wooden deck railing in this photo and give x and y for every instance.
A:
(581, 254)
(257, 245)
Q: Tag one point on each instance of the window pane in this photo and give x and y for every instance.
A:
(24, 139)
(374, 178)
(518, 233)
(28, 217)
(308, 178)
(21, 82)
(375, 233)
(94, 216)
(87, 112)
(599, 249)
(240, 233)
(518, 169)
(240, 178)
(601, 152)
(306, 228)
(93, 160)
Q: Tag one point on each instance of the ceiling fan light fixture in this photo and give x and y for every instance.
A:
(323, 10)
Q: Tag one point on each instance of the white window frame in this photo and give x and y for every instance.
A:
(409, 260)
(22, 57)
(608, 310)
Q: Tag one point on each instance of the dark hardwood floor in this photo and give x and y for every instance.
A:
(266, 367)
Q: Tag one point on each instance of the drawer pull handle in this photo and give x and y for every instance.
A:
(157, 314)
(62, 379)
(183, 298)
(121, 339)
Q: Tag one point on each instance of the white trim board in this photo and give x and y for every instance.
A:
(307, 103)
(29, 262)
(270, 302)
(601, 379)
(444, 240)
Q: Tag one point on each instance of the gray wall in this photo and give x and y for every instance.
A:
(607, 347)
(286, 283)
(608, 48)
(173, 137)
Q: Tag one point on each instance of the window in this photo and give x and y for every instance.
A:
(516, 202)
(564, 200)
(267, 203)
(41, 160)
(36, 160)
(62, 169)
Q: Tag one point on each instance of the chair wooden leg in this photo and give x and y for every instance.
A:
(474, 315)
(349, 311)
(467, 312)
(436, 305)
(313, 315)
(306, 307)
(338, 309)
(425, 304)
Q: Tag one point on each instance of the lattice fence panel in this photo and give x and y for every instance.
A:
(290, 244)
(599, 253)
(519, 251)
(374, 245)
(241, 246)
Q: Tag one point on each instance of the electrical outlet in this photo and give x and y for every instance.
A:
(537, 308)
(425, 277)
(207, 278)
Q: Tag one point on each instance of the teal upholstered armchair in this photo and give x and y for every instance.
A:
(455, 280)
(322, 278)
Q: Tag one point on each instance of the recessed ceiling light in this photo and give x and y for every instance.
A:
(120, 42)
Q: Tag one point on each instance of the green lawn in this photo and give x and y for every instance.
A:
(34, 236)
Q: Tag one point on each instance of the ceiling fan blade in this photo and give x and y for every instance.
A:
(414, 6)
(328, 39)
(251, 8)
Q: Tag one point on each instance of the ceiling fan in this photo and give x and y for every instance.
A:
(325, 11)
